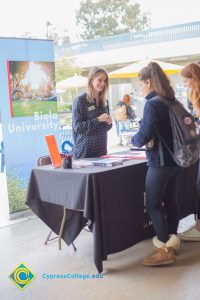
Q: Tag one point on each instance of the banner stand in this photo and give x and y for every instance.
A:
(28, 105)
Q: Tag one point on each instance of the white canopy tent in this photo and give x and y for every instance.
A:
(75, 81)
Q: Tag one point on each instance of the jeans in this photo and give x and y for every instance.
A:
(123, 126)
(160, 187)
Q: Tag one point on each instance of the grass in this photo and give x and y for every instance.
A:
(25, 108)
(17, 188)
(16, 194)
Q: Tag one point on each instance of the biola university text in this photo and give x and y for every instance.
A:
(42, 122)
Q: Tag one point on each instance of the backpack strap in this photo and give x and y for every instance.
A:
(163, 100)
(170, 152)
(160, 148)
(168, 104)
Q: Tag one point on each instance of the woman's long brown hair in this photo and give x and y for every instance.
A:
(159, 80)
(192, 71)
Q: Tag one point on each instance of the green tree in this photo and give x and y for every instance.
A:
(109, 17)
(65, 68)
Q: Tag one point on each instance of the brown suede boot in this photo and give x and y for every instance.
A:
(164, 252)
(173, 242)
(163, 256)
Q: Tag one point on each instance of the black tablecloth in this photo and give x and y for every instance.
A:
(112, 200)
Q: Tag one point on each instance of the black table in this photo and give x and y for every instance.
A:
(112, 200)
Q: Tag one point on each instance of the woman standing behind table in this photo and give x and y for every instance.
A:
(90, 117)
(161, 178)
(191, 79)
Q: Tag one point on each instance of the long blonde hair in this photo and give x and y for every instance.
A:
(93, 73)
(192, 71)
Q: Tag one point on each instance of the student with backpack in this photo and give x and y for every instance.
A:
(191, 79)
(162, 174)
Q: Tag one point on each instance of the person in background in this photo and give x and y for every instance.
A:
(129, 116)
(191, 79)
(189, 103)
(90, 117)
(162, 174)
(130, 113)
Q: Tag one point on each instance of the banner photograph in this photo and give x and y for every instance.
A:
(31, 87)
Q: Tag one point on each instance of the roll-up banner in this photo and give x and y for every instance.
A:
(28, 105)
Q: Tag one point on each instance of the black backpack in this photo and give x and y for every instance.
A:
(186, 137)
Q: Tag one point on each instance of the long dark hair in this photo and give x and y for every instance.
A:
(159, 80)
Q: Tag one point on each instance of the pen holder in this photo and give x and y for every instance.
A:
(67, 161)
